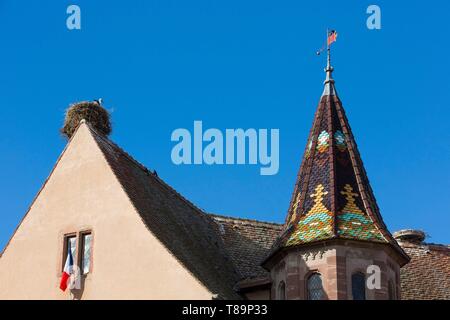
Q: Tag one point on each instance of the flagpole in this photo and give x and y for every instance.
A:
(328, 51)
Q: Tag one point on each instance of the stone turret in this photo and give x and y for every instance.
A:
(334, 232)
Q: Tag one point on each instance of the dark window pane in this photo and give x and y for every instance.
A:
(282, 291)
(358, 286)
(391, 290)
(315, 289)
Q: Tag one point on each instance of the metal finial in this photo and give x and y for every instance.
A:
(329, 81)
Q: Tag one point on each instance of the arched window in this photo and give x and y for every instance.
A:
(282, 291)
(315, 288)
(358, 286)
(391, 290)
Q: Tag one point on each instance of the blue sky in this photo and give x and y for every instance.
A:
(160, 65)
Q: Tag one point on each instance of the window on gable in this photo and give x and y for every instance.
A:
(358, 286)
(81, 248)
(315, 288)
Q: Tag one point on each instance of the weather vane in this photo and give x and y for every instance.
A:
(331, 37)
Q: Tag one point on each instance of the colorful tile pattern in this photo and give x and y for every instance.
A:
(332, 198)
(295, 207)
(323, 141)
(308, 150)
(339, 137)
(316, 224)
(353, 223)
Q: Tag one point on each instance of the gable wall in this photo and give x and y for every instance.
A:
(128, 261)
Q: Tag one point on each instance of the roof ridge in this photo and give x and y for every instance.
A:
(426, 245)
(362, 180)
(40, 189)
(145, 169)
(193, 233)
(246, 220)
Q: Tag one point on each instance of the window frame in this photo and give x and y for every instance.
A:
(79, 250)
(308, 279)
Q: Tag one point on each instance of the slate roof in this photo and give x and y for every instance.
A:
(332, 196)
(187, 232)
(426, 276)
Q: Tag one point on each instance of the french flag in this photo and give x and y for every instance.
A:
(68, 270)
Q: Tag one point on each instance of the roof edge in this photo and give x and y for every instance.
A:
(402, 255)
(43, 186)
(247, 221)
(197, 211)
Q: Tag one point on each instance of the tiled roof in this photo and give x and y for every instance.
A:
(187, 232)
(427, 275)
(332, 196)
(248, 242)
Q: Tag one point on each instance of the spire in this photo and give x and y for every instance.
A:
(332, 196)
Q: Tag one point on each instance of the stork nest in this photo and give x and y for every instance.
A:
(97, 116)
